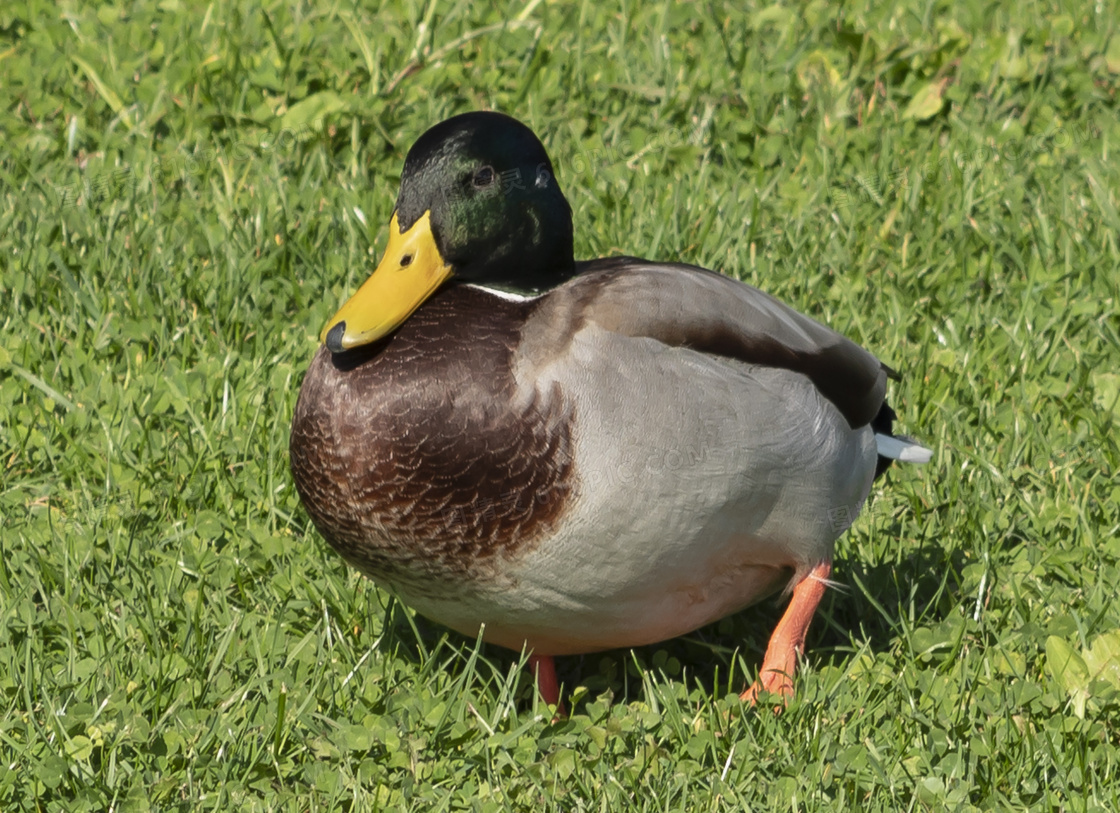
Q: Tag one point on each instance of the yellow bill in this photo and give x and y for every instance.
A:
(410, 271)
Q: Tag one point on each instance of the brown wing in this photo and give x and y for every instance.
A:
(686, 306)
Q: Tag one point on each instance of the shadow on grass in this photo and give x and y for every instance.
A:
(872, 609)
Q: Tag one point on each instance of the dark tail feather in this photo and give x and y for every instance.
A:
(895, 447)
(882, 425)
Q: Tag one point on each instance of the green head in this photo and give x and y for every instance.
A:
(478, 202)
(498, 215)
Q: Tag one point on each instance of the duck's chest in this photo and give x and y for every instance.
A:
(416, 461)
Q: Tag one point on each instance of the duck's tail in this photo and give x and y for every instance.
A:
(895, 447)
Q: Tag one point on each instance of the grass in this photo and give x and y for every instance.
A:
(188, 190)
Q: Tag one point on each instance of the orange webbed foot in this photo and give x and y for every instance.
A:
(788, 641)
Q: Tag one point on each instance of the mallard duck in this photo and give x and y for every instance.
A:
(577, 456)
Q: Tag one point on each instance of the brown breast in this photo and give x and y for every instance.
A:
(412, 459)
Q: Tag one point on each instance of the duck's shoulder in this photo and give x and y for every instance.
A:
(687, 306)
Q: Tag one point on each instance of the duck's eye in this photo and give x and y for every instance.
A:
(484, 177)
(406, 260)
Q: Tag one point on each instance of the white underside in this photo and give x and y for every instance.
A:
(702, 488)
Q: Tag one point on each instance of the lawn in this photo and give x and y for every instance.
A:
(187, 192)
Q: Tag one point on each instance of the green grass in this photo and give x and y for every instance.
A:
(187, 192)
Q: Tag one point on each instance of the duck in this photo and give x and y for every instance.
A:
(572, 456)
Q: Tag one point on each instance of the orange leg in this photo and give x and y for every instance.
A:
(543, 669)
(788, 640)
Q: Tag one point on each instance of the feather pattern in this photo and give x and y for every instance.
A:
(641, 451)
